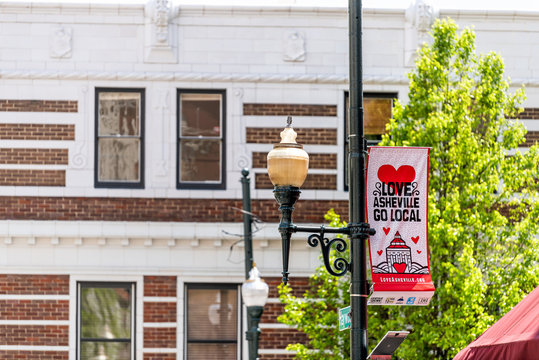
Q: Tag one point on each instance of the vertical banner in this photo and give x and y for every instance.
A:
(397, 208)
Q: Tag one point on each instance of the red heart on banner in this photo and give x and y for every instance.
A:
(415, 239)
(418, 251)
(387, 173)
(400, 267)
(380, 252)
(386, 230)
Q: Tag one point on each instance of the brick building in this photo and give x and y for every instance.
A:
(123, 131)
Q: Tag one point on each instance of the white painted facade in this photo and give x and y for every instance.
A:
(64, 51)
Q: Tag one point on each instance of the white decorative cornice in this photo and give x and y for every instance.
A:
(111, 8)
(195, 77)
(336, 79)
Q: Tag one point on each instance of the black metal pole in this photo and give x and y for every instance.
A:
(356, 159)
(247, 221)
(253, 331)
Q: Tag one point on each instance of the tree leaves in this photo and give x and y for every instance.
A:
(483, 208)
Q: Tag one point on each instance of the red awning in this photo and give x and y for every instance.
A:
(514, 337)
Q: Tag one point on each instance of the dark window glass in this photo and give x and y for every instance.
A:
(119, 142)
(201, 139)
(211, 351)
(377, 111)
(212, 322)
(106, 321)
(200, 160)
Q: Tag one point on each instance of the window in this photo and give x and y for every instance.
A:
(201, 134)
(377, 110)
(212, 322)
(106, 321)
(119, 129)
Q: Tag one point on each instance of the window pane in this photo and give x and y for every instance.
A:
(200, 160)
(200, 114)
(119, 159)
(212, 315)
(93, 350)
(119, 114)
(105, 313)
(211, 351)
(377, 115)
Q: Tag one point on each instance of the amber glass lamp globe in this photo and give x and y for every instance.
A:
(288, 162)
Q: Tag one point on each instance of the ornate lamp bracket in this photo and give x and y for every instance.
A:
(287, 196)
(340, 266)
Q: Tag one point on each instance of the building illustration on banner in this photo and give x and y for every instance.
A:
(399, 259)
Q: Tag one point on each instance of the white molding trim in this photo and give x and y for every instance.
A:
(172, 76)
(160, 299)
(198, 77)
(160, 350)
(137, 232)
(336, 79)
(276, 351)
(275, 326)
(160, 325)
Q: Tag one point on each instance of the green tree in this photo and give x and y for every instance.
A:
(483, 207)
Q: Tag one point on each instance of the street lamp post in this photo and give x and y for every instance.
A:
(287, 168)
(254, 292)
(247, 221)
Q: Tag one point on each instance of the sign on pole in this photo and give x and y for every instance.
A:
(397, 208)
(345, 322)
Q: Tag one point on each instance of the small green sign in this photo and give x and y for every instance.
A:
(345, 322)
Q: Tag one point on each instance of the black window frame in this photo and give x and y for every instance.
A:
(119, 184)
(213, 286)
(346, 115)
(195, 185)
(107, 284)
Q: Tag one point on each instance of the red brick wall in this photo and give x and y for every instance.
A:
(159, 312)
(529, 114)
(271, 312)
(532, 137)
(159, 338)
(276, 357)
(37, 132)
(160, 285)
(147, 209)
(312, 182)
(324, 136)
(280, 338)
(289, 109)
(33, 355)
(35, 335)
(39, 105)
(299, 285)
(28, 310)
(34, 156)
(15, 177)
(154, 356)
(316, 161)
(15, 284)
(34, 309)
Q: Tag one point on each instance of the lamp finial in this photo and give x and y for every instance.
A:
(289, 121)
